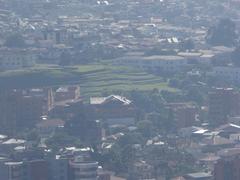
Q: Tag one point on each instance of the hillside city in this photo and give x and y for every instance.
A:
(120, 90)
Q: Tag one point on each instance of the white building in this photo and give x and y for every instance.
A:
(202, 57)
(169, 64)
(11, 59)
(231, 74)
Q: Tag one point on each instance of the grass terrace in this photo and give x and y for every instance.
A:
(93, 78)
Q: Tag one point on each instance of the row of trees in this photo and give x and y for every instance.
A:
(224, 33)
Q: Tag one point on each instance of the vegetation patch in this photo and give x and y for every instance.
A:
(94, 79)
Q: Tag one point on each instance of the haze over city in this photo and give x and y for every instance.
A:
(120, 90)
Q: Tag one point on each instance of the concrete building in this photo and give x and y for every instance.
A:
(24, 170)
(103, 175)
(114, 109)
(8, 107)
(166, 64)
(58, 168)
(230, 74)
(15, 170)
(49, 168)
(65, 109)
(44, 95)
(199, 176)
(3, 168)
(11, 59)
(56, 35)
(23, 108)
(222, 55)
(227, 168)
(47, 127)
(197, 57)
(35, 169)
(184, 114)
(67, 93)
(223, 102)
(83, 169)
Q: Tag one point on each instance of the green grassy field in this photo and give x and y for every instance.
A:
(93, 79)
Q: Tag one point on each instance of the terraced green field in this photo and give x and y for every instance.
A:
(93, 79)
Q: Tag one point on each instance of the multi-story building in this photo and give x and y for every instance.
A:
(11, 59)
(15, 170)
(58, 168)
(35, 169)
(230, 74)
(24, 170)
(227, 168)
(4, 173)
(83, 169)
(23, 108)
(70, 167)
(142, 170)
(223, 102)
(197, 57)
(42, 169)
(9, 101)
(184, 114)
(44, 95)
(166, 64)
(56, 35)
(47, 127)
(67, 93)
(113, 109)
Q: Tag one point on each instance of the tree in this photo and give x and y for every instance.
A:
(222, 34)
(172, 96)
(194, 94)
(33, 135)
(120, 158)
(122, 155)
(174, 82)
(15, 41)
(61, 139)
(148, 101)
(145, 127)
(130, 138)
(65, 59)
(187, 45)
